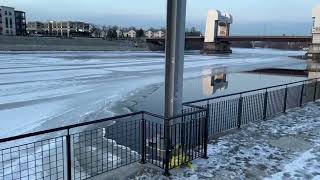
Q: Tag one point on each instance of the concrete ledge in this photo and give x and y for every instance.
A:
(216, 48)
(127, 172)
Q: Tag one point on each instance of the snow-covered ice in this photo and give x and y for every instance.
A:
(285, 147)
(41, 90)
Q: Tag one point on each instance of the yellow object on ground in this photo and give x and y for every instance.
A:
(179, 159)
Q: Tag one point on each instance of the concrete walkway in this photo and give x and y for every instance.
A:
(286, 147)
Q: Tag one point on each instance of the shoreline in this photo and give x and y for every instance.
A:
(131, 102)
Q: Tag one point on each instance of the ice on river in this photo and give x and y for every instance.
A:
(41, 90)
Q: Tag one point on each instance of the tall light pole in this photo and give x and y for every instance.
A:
(175, 44)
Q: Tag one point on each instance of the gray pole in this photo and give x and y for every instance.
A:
(175, 43)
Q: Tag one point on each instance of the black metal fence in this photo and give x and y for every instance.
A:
(234, 110)
(89, 149)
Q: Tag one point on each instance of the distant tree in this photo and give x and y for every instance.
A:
(133, 28)
(193, 29)
(115, 27)
(95, 30)
(140, 33)
(105, 28)
(193, 32)
(104, 31)
(152, 29)
(112, 33)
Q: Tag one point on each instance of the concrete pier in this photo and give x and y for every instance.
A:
(216, 48)
(314, 52)
(314, 49)
(217, 25)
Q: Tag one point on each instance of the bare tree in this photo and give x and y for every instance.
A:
(95, 31)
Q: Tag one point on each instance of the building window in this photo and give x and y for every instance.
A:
(7, 23)
(10, 23)
(10, 14)
(5, 13)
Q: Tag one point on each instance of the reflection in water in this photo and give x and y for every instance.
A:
(212, 83)
(313, 69)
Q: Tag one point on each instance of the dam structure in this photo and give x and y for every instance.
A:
(217, 25)
(314, 49)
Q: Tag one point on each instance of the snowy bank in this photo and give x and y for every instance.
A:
(286, 147)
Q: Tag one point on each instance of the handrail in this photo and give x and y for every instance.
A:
(153, 115)
(67, 127)
(186, 114)
(244, 92)
(194, 106)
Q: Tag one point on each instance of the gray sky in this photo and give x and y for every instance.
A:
(259, 16)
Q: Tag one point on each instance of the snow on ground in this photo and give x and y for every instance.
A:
(286, 147)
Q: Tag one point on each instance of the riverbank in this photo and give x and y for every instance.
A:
(28, 43)
(285, 147)
(25, 43)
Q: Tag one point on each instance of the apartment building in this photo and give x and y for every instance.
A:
(70, 29)
(35, 28)
(60, 28)
(7, 21)
(20, 21)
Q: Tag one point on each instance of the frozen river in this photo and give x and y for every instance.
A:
(41, 90)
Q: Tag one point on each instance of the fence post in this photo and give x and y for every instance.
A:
(265, 105)
(301, 94)
(168, 147)
(285, 99)
(68, 141)
(206, 132)
(315, 91)
(240, 111)
(143, 139)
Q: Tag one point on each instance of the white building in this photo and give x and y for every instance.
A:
(7, 21)
(119, 33)
(314, 49)
(148, 34)
(130, 34)
(218, 24)
(159, 34)
(316, 25)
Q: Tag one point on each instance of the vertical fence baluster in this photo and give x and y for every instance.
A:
(168, 146)
(301, 94)
(206, 132)
(265, 105)
(240, 111)
(143, 139)
(315, 91)
(182, 133)
(285, 99)
(156, 155)
(68, 146)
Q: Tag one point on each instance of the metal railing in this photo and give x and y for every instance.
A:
(89, 149)
(231, 111)
(85, 150)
